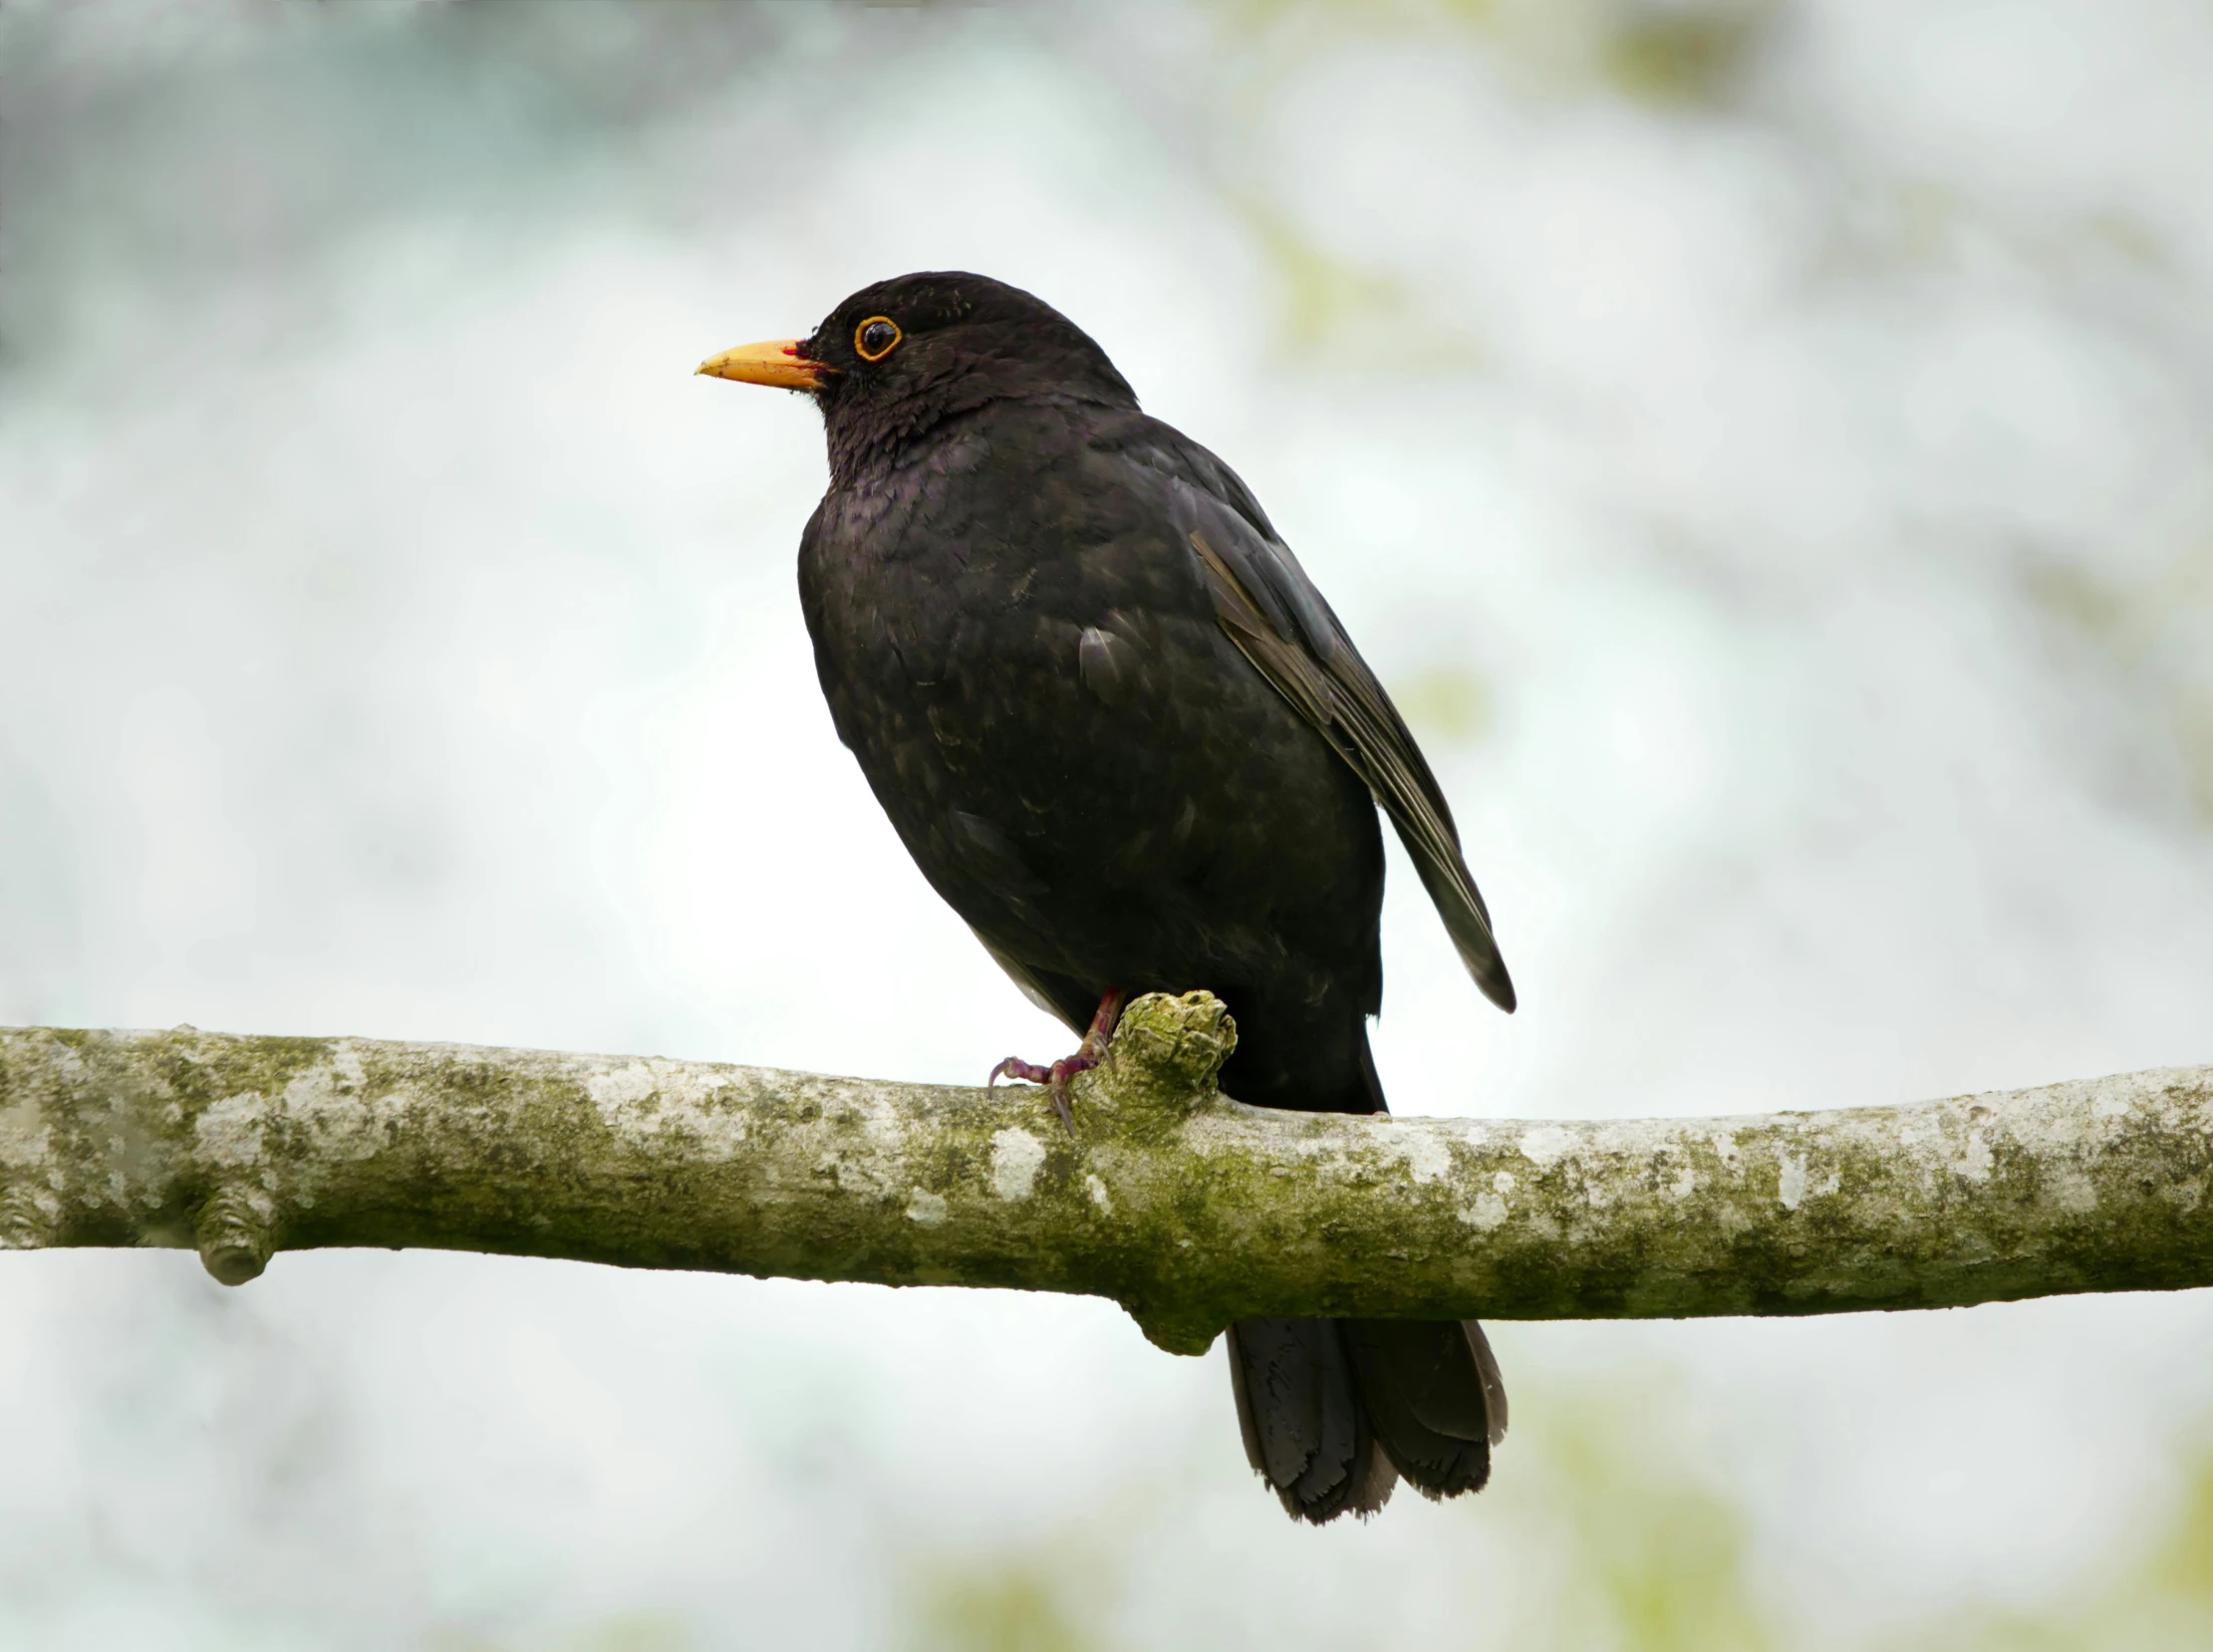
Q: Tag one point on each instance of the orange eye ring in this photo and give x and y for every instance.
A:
(884, 345)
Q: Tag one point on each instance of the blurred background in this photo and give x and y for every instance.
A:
(1766, 448)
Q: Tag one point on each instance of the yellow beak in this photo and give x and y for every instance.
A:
(776, 362)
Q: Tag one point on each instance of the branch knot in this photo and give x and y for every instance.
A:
(1168, 1052)
(233, 1231)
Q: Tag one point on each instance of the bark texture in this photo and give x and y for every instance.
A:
(1186, 1207)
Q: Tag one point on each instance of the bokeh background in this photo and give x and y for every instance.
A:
(1767, 447)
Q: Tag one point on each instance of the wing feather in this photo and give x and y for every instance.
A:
(1314, 666)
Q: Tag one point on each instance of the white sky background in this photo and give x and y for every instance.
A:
(1783, 503)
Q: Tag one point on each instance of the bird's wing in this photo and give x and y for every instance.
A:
(1278, 620)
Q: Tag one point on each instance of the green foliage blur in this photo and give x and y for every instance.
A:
(1639, 1546)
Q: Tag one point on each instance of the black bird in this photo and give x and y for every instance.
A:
(1123, 735)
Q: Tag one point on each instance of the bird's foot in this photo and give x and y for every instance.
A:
(1057, 1077)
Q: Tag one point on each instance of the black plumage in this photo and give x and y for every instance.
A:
(1124, 736)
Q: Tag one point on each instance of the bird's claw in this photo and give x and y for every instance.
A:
(1057, 1077)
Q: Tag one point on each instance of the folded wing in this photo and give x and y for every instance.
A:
(1276, 618)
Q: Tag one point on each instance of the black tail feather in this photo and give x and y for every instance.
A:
(1335, 1411)
(1305, 1431)
(1429, 1396)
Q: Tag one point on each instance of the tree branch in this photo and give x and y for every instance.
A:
(1187, 1209)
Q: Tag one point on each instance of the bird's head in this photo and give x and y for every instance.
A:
(900, 357)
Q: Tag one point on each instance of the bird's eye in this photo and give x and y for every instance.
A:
(875, 338)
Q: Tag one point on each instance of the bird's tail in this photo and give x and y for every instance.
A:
(1335, 1411)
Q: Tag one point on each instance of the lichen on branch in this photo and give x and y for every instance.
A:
(1186, 1207)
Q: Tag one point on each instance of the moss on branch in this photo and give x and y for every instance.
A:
(1185, 1207)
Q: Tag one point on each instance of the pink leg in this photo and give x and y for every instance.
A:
(1088, 1055)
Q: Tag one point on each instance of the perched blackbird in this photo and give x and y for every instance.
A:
(1123, 735)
